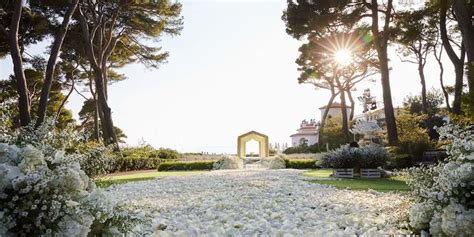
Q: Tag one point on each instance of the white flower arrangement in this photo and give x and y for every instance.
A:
(229, 162)
(444, 193)
(49, 195)
(275, 162)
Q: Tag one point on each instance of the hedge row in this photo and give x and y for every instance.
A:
(186, 165)
(129, 164)
(301, 164)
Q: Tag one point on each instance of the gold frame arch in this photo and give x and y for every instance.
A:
(262, 140)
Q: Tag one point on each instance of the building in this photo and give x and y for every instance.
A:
(334, 110)
(308, 134)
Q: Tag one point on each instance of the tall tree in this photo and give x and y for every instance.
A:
(53, 57)
(416, 33)
(305, 18)
(320, 65)
(105, 24)
(16, 55)
(457, 60)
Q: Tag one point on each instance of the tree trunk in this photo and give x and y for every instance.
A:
(381, 42)
(421, 73)
(64, 101)
(105, 112)
(457, 61)
(345, 124)
(326, 111)
(53, 57)
(349, 95)
(441, 74)
(96, 133)
(21, 85)
(464, 10)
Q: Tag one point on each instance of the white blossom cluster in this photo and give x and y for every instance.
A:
(444, 194)
(274, 162)
(51, 195)
(250, 202)
(229, 162)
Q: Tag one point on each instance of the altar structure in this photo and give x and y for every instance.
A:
(262, 140)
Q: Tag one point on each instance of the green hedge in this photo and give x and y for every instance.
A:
(129, 164)
(183, 165)
(301, 164)
(399, 161)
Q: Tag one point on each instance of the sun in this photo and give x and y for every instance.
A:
(343, 57)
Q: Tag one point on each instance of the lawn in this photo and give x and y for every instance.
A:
(396, 184)
(109, 180)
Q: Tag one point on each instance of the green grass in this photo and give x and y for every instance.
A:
(396, 184)
(107, 181)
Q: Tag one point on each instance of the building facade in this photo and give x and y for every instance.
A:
(308, 134)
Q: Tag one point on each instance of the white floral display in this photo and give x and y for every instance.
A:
(274, 162)
(50, 195)
(263, 203)
(229, 162)
(444, 194)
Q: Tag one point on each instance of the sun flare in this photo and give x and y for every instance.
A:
(343, 57)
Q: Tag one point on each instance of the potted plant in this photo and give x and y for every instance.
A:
(372, 157)
(342, 160)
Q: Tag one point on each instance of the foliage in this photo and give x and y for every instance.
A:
(186, 165)
(399, 161)
(371, 156)
(332, 133)
(229, 162)
(343, 157)
(44, 194)
(413, 103)
(147, 151)
(444, 204)
(413, 139)
(300, 164)
(134, 163)
(303, 148)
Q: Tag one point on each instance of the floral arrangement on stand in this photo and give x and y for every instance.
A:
(444, 194)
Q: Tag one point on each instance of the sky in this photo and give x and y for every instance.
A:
(232, 70)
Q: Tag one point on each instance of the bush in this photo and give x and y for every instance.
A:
(341, 158)
(301, 164)
(130, 164)
(229, 162)
(372, 156)
(148, 151)
(413, 139)
(181, 165)
(399, 161)
(303, 149)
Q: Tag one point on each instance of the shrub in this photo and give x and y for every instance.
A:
(275, 162)
(131, 163)
(301, 164)
(96, 159)
(412, 138)
(372, 156)
(181, 165)
(399, 161)
(229, 162)
(302, 149)
(443, 193)
(148, 151)
(332, 133)
(343, 157)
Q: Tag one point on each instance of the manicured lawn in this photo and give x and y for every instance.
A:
(382, 185)
(109, 180)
